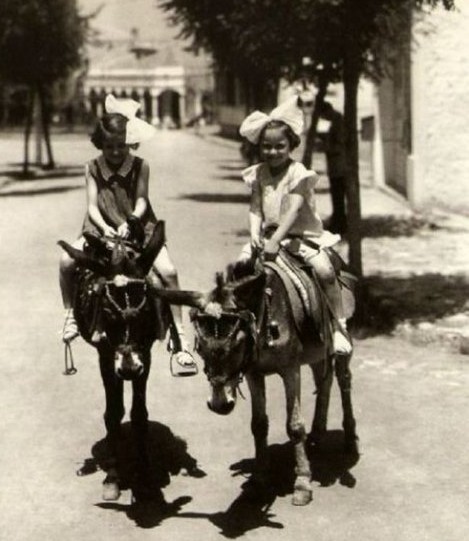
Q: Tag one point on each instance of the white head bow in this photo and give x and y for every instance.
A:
(287, 112)
(137, 130)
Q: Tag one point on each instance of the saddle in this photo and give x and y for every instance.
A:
(308, 303)
(305, 297)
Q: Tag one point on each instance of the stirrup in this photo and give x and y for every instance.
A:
(183, 369)
(70, 328)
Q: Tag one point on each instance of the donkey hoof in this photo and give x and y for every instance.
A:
(302, 496)
(302, 492)
(111, 491)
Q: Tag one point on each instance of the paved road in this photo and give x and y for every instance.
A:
(410, 483)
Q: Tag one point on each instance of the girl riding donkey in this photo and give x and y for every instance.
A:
(283, 206)
(117, 196)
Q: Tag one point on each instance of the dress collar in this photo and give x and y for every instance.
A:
(123, 170)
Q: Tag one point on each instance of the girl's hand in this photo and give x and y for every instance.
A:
(271, 248)
(123, 230)
(257, 242)
(109, 231)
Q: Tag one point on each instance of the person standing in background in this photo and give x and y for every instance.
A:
(334, 148)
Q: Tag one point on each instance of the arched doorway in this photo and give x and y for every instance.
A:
(169, 109)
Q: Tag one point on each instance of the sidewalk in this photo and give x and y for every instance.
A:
(416, 265)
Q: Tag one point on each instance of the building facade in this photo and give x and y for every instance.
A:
(170, 85)
(422, 127)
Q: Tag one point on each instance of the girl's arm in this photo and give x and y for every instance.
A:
(141, 200)
(255, 216)
(295, 203)
(92, 204)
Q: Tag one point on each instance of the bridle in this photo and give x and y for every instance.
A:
(128, 312)
(245, 320)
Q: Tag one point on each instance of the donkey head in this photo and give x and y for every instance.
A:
(114, 307)
(225, 326)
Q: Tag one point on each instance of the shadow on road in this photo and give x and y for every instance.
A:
(168, 456)
(395, 226)
(217, 198)
(329, 464)
(427, 297)
(251, 509)
(38, 190)
(238, 168)
(42, 173)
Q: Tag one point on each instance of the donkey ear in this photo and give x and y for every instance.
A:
(156, 242)
(83, 260)
(95, 242)
(247, 291)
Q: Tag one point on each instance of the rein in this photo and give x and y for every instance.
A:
(245, 316)
(129, 312)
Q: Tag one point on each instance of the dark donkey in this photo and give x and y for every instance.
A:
(117, 314)
(236, 338)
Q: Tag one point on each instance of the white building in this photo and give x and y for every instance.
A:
(422, 118)
(170, 84)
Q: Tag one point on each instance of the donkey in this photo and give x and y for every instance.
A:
(117, 314)
(245, 327)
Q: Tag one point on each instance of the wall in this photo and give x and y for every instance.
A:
(440, 110)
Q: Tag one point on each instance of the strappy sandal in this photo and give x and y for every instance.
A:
(70, 328)
(182, 364)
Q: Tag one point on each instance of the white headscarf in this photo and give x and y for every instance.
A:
(137, 130)
(287, 112)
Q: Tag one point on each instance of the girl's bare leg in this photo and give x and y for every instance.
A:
(165, 268)
(67, 286)
(327, 276)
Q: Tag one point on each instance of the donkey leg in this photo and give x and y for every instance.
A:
(344, 378)
(139, 414)
(302, 491)
(114, 391)
(259, 426)
(142, 485)
(322, 373)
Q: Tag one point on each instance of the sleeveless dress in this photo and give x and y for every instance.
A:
(117, 194)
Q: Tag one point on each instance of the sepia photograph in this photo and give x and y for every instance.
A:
(234, 270)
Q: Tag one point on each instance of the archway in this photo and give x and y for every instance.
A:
(169, 111)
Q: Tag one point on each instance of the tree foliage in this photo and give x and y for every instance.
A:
(264, 36)
(41, 43)
(40, 40)
(348, 39)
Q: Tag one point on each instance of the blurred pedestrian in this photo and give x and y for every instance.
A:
(334, 148)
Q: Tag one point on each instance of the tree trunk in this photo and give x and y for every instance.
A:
(27, 131)
(311, 134)
(354, 220)
(351, 78)
(45, 115)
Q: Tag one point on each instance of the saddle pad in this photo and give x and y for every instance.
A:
(295, 301)
(305, 284)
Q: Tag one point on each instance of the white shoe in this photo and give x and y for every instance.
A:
(341, 343)
(70, 329)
